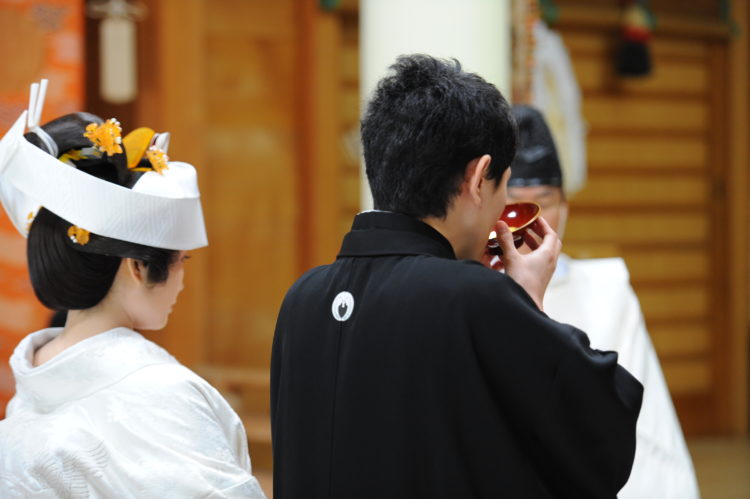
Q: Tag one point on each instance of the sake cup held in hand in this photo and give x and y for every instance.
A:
(518, 216)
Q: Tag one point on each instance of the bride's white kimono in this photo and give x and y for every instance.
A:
(117, 416)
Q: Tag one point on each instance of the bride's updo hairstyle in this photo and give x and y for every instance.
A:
(75, 271)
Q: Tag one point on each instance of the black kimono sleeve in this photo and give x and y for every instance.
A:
(574, 408)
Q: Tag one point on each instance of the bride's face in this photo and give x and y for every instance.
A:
(152, 303)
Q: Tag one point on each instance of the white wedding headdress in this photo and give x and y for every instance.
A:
(162, 209)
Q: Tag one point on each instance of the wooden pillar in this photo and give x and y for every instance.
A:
(476, 32)
(172, 57)
(737, 192)
(318, 186)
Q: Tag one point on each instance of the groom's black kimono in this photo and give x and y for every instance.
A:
(400, 372)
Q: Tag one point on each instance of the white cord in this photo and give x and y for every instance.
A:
(36, 105)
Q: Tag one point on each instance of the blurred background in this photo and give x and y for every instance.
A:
(264, 98)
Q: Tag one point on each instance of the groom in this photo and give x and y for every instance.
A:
(407, 368)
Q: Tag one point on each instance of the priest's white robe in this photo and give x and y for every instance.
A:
(595, 296)
(116, 416)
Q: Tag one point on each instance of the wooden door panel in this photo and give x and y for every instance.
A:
(625, 227)
(675, 339)
(680, 77)
(684, 153)
(653, 265)
(623, 189)
(644, 114)
(654, 154)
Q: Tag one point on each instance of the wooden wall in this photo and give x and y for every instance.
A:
(38, 39)
(350, 103)
(251, 91)
(221, 76)
(664, 191)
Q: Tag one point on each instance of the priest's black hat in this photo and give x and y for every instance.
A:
(536, 161)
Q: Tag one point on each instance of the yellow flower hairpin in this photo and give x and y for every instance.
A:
(106, 137)
(145, 142)
(78, 235)
(158, 159)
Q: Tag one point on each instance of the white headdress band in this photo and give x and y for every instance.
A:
(161, 210)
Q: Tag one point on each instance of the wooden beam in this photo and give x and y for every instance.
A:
(173, 99)
(601, 17)
(737, 192)
(319, 141)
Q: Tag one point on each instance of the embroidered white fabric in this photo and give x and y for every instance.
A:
(117, 416)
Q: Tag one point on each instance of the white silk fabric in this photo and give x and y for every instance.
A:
(595, 296)
(557, 95)
(116, 416)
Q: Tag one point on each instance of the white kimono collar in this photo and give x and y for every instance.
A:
(562, 271)
(82, 369)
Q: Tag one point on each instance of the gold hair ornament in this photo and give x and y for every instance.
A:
(145, 142)
(72, 155)
(158, 159)
(106, 137)
(29, 220)
(78, 235)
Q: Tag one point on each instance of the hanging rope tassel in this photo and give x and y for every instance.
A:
(634, 56)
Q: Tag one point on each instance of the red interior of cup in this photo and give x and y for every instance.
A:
(518, 216)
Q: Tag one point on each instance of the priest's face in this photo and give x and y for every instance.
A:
(157, 300)
(551, 199)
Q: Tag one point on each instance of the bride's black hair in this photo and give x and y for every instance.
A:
(70, 276)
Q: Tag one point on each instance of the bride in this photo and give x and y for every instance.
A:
(100, 411)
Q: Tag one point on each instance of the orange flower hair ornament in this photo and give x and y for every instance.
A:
(145, 142)
(106, 137)
(158, 159)
(78, 235)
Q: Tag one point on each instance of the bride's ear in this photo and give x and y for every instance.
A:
(136, 269)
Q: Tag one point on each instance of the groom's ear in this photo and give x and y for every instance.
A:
(474, 176)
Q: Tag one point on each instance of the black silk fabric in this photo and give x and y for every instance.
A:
(443, 381)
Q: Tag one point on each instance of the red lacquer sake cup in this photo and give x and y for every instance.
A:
(518, 216)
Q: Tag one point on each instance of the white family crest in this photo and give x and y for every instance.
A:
(342, 306)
